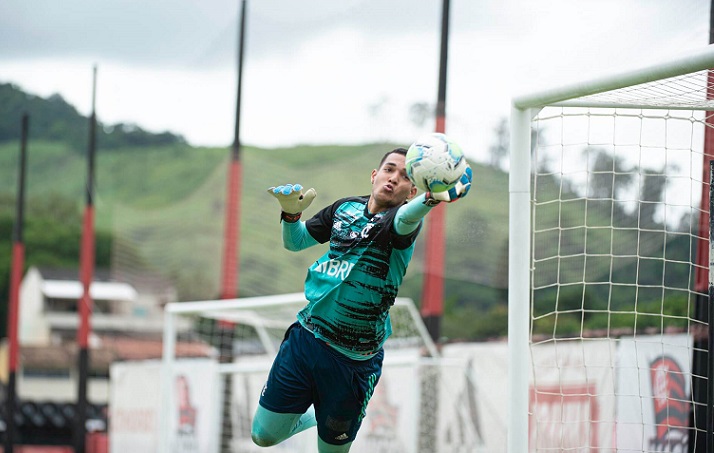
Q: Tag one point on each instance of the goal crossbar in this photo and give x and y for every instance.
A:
(571, 94)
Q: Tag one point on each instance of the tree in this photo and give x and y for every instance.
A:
(654, 183)
(608, 174)
(499, 149)
(54, 119)
(420, 112)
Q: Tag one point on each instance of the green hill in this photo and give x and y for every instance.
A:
(163, 209)
(53, 119)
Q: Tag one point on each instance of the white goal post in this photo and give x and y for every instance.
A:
(416, 403)
(605, 180)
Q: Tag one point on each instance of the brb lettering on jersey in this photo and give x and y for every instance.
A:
(335, 268)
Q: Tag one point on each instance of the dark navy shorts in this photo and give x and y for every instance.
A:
(307, 371)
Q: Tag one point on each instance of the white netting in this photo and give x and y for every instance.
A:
(618, 189)
(615, 200)
(615, 229)
(614, 218)
(688, 91)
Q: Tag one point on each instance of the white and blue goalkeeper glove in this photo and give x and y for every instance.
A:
(292, 200)
(459, 191)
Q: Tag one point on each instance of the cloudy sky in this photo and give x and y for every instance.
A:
(326, 71)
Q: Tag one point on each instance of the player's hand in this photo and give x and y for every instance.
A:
(291, 197)
(459, 191)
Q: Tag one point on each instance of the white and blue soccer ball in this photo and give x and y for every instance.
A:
(435, 163)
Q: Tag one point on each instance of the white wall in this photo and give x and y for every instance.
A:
(33, 326)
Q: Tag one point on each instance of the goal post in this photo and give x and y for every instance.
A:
(604, 191)
(419, 388)
(709, 417)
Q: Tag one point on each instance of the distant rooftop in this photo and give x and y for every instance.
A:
(72, 274)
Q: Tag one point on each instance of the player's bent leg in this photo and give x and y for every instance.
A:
(270, 428)
(324, 447)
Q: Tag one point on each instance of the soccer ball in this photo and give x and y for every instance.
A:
(435, 163)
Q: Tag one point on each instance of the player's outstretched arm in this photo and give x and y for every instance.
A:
(410, 215)
(292, 203)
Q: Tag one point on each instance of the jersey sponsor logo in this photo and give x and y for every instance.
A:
(365, 231)
(335, 268)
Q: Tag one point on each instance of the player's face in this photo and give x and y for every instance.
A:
(390, 184)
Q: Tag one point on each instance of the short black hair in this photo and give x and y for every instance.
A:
(401, 151)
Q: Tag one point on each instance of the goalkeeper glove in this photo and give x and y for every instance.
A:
(460, 190)
(292, 200)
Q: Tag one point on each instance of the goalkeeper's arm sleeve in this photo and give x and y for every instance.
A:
(296, 237)
(409, 216)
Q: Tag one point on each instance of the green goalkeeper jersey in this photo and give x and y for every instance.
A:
(351, 288)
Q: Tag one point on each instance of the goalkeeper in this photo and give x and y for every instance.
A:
(331, 358)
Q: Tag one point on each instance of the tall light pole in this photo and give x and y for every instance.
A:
(86, 265)
(229, 281)
(18, 264)
(432, 306)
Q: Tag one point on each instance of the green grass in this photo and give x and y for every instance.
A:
(169, 203)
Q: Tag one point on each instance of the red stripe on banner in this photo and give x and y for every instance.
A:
(86, 276)
(18, 263)
(229, 283)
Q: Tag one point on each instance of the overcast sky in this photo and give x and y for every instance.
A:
(327, 71)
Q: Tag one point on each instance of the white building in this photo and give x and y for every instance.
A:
(124, 324)
(48, 307)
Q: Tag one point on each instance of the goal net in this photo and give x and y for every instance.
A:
(411, 411)
(609, 215)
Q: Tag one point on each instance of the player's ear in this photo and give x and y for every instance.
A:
(374, 174)
(412, 192)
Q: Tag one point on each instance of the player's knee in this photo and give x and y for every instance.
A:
(263, 439)
(270, 428)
